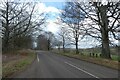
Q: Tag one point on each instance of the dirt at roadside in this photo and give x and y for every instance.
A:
(9, 57)
(14, 55)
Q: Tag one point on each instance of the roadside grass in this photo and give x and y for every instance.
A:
(14, 66)
(96, 60)
(115, 57)
(0, 70)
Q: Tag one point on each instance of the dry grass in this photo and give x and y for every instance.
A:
(101, 61)
(15, 65)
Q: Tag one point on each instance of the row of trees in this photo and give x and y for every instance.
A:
(46, 41)
(101, 21)
(21, 26)
(42, 42)
(18, 21)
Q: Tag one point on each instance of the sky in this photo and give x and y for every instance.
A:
(53, 8)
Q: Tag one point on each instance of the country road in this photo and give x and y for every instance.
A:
(50, 65)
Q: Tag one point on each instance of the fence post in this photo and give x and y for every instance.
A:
(93, 54)
(96, 55)
(90, 54)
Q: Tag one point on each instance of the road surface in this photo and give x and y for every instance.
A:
(50, 65)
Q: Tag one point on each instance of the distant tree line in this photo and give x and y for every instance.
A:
(46, 41)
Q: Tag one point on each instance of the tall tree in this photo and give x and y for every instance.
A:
(50, 36)
(42, 42)
(45, 41)
(12, 21)
(105, 20)
(17, 20)
(62, 34)
(72, 16)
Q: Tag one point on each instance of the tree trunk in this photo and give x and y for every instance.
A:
(63, 44)
(6, 35)
(48, 44)
(77, 51)
(104, 33)
(105, 46)
(6, 42)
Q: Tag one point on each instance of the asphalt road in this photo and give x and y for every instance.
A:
(50, 65)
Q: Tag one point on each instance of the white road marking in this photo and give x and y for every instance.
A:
(37, 58)
(81, 69)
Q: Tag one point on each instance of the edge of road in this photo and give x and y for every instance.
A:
(14, 74)
(87, 61)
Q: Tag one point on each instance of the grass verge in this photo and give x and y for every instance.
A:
(100, 61)
(14, 66)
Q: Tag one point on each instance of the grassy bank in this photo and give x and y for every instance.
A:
(13, 66)
(101, 61)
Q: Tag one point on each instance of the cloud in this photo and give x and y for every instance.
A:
(41, 7)
(52, 9)
(52, 12)
(51, 26)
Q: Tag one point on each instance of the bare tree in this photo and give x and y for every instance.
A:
(42, 42)
(17, 20)
(57, 44)
(105, 19)
(50, 36)
(72, 16)
(12, 21)
(45, 41)
(64, 36)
